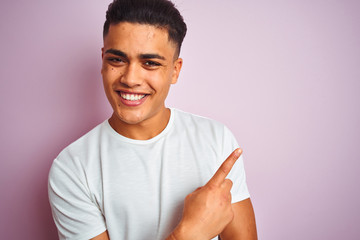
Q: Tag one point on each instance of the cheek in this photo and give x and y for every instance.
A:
(110, 74)
(162, 80)
(158, 83)
(107, 69)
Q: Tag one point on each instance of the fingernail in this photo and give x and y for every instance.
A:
(237, 152)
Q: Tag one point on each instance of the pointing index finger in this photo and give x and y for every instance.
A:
(225, 168)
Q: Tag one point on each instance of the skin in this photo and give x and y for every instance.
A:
(140, 58)
(208, 211)
(148, 66)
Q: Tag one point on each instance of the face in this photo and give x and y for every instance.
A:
(139, 65)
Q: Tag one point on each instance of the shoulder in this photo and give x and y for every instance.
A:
(203, 129)
(194, 121)
(75, 157)
(84, 143)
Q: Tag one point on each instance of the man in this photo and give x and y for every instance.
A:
(128, 177)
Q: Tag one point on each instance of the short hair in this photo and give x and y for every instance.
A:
(159, 13)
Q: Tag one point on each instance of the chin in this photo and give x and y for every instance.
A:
(129, 118)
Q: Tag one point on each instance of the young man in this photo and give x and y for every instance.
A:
(128, 177)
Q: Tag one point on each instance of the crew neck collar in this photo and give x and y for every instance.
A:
(148, 141)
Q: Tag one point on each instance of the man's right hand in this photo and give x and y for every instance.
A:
(207, 210)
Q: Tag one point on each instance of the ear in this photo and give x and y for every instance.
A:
(102, 59)
(177, 68)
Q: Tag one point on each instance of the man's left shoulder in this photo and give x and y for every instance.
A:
(205, 130)
(198, 121)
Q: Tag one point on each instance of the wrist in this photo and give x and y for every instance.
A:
(183, 232)
(179, 233)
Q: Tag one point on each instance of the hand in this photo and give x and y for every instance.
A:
(207, 210)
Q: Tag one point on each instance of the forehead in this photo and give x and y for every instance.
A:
(127, 36)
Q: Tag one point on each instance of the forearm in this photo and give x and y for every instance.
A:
(243, 226)
(181, 232)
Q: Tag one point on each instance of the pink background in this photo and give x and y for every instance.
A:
(283, 76)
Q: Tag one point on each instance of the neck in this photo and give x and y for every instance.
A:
(141, 131)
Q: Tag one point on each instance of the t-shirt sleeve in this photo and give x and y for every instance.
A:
(239, 190)
(75, 214)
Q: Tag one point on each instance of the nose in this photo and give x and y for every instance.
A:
(131, 76)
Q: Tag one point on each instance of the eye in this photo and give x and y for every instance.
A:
(115, 60)
(152, 64)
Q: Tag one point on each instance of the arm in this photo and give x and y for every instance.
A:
(208, 210)
(75, 214)
(243, 225)
(103, 236)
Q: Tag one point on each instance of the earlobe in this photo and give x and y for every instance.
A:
(177, 68)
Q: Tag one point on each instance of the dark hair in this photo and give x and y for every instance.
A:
(160, 13)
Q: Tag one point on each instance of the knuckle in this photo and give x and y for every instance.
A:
(225, 197)
(211, 187)
(225, 168)
(230, 197)
(229, 182)
(231, 216)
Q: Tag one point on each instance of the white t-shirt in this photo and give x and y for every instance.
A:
(135, 189)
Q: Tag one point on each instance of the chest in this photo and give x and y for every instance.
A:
(144, 187)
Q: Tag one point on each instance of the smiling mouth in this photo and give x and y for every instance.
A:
(131, 96)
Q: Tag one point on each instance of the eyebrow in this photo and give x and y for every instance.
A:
(151, 55)
(142, 56)
(116, 52)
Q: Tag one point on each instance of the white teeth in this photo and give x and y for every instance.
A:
(132, 97)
